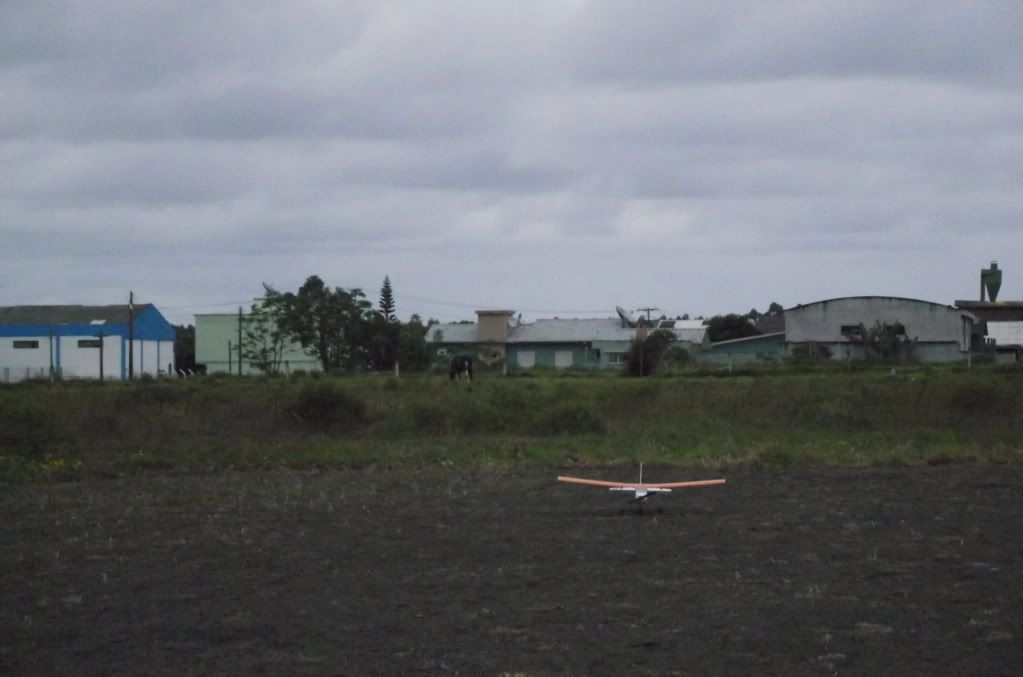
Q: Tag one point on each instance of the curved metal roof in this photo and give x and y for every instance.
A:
(871, 296)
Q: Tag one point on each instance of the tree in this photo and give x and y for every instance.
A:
(266, 337)
(330, 323)
(887, 340)
(413, 352)
(387, 301)
(727, 327)
(645, 353)
(184, 346)
(382, 341)
(775, 308)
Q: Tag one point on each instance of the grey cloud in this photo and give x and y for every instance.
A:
(975, 42)
(557, 154)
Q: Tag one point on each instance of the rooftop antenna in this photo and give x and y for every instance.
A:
(647, 311)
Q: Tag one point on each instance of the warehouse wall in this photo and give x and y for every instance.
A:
(77, 361)
(822, 322)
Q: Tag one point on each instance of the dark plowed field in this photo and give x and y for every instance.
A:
(807, 571)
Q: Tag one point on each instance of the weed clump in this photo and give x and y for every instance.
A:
(572, 418)
(325, 403)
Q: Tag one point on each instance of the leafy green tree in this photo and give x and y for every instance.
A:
(387, 300)
(266, 337)
(382, 343)
(645, 354)
(727, 327)
(775, 308)
(330, 323)
(887, 341)
(413, 352)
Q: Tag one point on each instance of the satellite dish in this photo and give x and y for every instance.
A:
(627, 320)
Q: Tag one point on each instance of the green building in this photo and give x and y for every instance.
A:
(217, 336)
(762, 348)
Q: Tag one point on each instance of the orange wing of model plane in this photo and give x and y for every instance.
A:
(641, 490)
(640, 485)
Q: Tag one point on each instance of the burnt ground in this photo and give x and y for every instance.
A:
(803, 571)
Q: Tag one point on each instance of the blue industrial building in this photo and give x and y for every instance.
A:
(83, 342)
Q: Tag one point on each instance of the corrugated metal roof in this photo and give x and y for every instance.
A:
(688, 324)
(452, 333)
(1006, 333)
(35, 315)
(561, 331)
(691, 334)
(571, 331)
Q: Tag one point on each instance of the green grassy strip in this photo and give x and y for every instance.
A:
(82, 429)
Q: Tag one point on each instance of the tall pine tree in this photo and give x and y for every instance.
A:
(387, 300)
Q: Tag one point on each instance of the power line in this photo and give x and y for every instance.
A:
(421, 299)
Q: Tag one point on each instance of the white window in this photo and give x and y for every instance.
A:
(562, 358)
(615, 358)
(526, 359)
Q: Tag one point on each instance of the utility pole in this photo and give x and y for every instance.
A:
(101, 375)
(230, 362)
(131, 335)
(53, 374)
(239, 340)
(647, 310)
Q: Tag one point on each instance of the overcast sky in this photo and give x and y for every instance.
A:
(551, 157)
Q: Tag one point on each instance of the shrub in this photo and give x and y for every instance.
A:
(326, 403)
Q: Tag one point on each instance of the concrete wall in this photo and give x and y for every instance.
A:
(551, 355)
(612, 353)
(70, 360)
(925, 322)
(18, 364)
(151, 357)
(77, 361)
(922, 352)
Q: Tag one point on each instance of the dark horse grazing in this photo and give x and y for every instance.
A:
(461, 367)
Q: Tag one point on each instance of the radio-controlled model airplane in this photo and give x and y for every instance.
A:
(641, 491)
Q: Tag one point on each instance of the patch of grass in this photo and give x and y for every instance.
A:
(773, 417)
